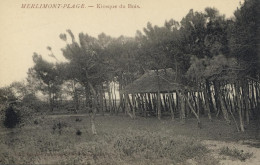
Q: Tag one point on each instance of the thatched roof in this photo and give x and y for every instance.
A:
(152, 81)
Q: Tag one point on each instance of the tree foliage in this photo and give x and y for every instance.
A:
(244, 36)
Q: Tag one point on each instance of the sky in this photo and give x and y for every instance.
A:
(24, 31)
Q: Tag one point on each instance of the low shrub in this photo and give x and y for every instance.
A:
(12, 117)
(59, 126)
(235, 153)
(78, 119)
(154, 146)
(78, 132)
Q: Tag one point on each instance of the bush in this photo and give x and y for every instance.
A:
(235, 153)
(78, 132)
(16, 114)
(59, 126)
(78, 119)
(152, 146)
(12, 117)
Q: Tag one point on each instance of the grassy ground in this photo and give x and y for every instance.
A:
(68, 140)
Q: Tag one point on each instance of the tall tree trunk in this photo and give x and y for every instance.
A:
(245, 91)
(219, 94)
(209, 96)
(230, 109)
(87, 98)
(127, 106)
(170, 105)
(257, 94)
(158, 97)
(224, 110)
(105, 101)
(159, 105)
(50, 98)
(216, 96)
(101, 101)
(207, 105)
(109, 98)
(143, 104)
(112, 99)
(252, 89)
(239, 108)
(154, 102)
(115, 99)
(182, 106)
(120, 96)
(182, 97)
(165, 103)
(75, 98)
(150, 103)
(134, 103)
(94, 108)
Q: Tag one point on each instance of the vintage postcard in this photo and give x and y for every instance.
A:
(140, 82)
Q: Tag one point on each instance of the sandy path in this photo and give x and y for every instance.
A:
(215, 147)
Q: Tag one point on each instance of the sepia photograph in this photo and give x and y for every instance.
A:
(130, 82)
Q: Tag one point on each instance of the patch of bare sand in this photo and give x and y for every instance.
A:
(244, 146)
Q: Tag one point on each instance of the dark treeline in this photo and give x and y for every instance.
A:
(218, 56)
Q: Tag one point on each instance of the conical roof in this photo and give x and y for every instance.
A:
(163, 80)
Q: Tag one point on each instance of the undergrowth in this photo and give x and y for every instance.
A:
(132, 148)
(37, 144)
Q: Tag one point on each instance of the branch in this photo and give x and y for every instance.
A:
(249, 77)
